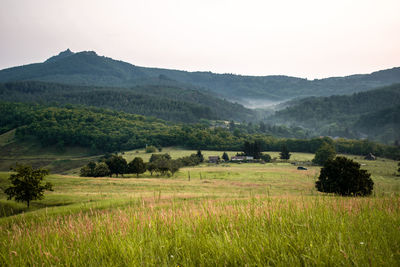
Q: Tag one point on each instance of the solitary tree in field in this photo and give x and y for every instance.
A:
(284, 153)
(324, 153)
(27, 184)
(343, 176)
(137, 166)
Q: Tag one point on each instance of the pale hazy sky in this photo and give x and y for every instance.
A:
(309, 38)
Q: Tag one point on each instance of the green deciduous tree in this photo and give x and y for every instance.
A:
(117, 165)
(174, 166)
(27, 184)
(155, 157)
(324, 153)
(343, 176)
(162, 165)
(101, 170)
(137, 166)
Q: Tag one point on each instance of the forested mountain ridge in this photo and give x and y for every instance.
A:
(373, 114)
(165, 102)
(87, 68)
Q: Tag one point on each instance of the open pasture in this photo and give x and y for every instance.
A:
(226, 214)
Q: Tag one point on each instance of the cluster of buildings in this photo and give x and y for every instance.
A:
(217, 159)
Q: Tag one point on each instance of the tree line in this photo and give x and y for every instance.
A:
(162, 164)
(170, 103)
(110, 131)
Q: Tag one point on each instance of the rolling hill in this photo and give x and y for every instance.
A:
(87, 68)
(165, 102)
(373, 114)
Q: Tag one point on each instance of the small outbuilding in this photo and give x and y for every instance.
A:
(213, 159)
(238, 158)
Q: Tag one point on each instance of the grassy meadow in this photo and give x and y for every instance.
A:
(225, 215)
(33, 153)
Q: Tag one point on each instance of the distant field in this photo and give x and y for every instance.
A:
(176, 153)
(226, 214)
(32, 153)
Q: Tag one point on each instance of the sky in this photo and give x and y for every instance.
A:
(308, 38)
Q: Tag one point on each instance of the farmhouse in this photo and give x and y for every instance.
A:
(213, 159)
(242, 158)
(238, 158)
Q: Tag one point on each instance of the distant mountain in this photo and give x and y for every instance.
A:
(164, 102)
(87, 68)
(374, 114)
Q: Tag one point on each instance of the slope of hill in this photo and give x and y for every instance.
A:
(87, 68)
(372, 114)
(165, 102)
(381, 125)
(99, 131)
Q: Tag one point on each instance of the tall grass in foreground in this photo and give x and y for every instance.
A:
(283, 231)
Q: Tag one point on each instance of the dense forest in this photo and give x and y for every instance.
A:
(165, 102)
(373, 114)
(87, 68)
(110, 131)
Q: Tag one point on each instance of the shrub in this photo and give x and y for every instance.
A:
(343, 176)
(266, 157)
(86, 171)
(151, 149)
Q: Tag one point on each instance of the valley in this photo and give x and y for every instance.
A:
(77, 110)
(221, 208)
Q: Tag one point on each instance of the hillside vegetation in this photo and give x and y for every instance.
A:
(107, 131)
(87, 68)
(373, 114)
(164, 102)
